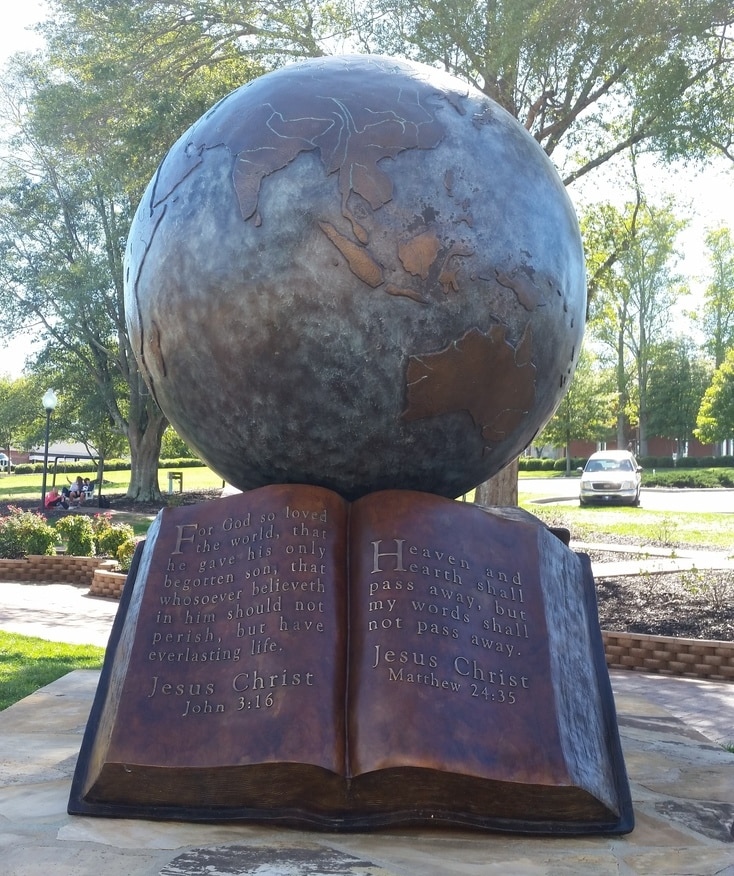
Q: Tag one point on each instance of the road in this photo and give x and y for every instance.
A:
(565, 491)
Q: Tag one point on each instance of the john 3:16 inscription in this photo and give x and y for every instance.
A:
(236, 592)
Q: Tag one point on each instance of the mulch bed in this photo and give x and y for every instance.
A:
(692, 605)
(697, 604)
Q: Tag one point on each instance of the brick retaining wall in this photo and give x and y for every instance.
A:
(668, 655)
(53, 569)
(107, 583)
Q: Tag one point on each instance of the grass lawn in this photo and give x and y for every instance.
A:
(694, 529)
(14, 487)
(27, 663)
(28, 486)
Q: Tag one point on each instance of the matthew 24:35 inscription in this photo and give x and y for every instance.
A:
(290, 654)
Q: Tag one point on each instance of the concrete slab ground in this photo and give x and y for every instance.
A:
(682, 788)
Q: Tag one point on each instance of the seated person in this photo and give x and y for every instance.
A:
(55, 499)
(75, 491)
(87, 489)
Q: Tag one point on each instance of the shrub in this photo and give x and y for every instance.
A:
(125, 554)
(117, 464)
(573, 464)
(181, 462)
(101, 523)
(78, 532)
(109, 542)
(25, 532)
(686, 478)
(28, 467)
(533, 464)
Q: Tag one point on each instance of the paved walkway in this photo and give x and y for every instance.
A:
(650, 559)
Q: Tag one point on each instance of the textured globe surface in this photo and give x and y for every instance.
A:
(360, 273)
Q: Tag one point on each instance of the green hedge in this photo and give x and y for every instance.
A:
(87, 465)
(532, 463)
(686, 462)
(693, 478)
(701, 472)
(181, 462)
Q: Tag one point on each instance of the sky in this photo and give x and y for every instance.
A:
(15, 38)
(705, 198)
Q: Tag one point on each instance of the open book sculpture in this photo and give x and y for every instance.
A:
(283, 655)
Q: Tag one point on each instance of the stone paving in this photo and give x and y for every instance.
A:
(682, 789)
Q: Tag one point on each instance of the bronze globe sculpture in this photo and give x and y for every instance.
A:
(360, 273)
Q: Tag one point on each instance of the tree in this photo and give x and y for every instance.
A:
(20, 405)
(174, 447)
(645, 268)
(584, 412)
(61, 267)
(718, 308)
(66, 209)
(678, 379)
(607, 234)
(633, 316)
(590, 81)
(715, 420)
(82, 413)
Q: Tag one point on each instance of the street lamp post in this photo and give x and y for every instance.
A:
(49, 403)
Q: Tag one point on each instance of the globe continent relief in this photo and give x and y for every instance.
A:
(360, 273)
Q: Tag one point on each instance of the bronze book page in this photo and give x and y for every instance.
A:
(449, 664)
(282, 656)
(233, 651)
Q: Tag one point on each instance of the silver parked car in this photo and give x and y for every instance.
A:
(611, 476)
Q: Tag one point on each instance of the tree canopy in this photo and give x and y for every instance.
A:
(588, 80)
(718, 309)
(716, 417)
(120, 80)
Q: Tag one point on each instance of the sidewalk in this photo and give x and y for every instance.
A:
(650, 559)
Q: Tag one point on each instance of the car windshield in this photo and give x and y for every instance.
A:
(609, 465)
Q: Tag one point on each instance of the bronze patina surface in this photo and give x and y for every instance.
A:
(281, 656)
(360, 273)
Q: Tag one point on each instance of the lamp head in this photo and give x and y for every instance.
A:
(49, 400)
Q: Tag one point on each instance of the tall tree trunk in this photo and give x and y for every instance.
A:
(501, 490)
(145, 449)
(642, 432)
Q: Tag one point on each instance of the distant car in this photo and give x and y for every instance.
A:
(611, 476)
(3, 461)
